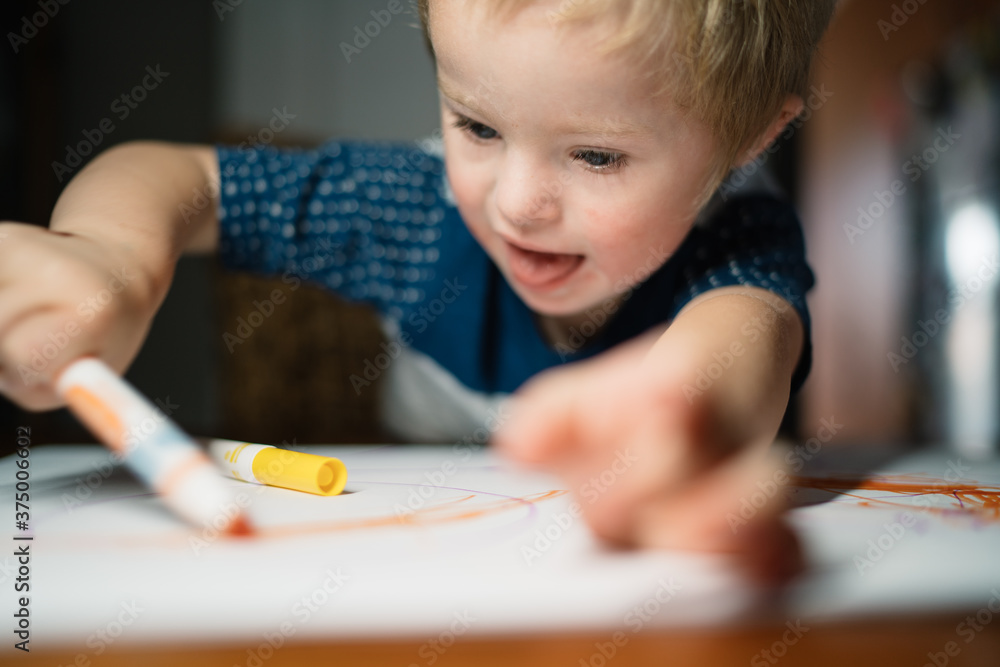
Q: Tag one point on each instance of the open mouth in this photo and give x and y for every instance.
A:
(540, 270)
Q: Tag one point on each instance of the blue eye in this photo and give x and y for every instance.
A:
(474, 129)
(601, 160)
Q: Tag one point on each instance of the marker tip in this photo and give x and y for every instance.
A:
(240, 527)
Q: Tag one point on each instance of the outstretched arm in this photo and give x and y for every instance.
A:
(662, 438)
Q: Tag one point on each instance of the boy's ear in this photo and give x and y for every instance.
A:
(791, 108)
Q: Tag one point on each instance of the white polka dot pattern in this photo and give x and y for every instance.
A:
(360, 219)
(375, 222)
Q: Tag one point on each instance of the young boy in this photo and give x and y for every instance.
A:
(570, 215)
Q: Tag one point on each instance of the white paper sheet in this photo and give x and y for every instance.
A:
(436, 541)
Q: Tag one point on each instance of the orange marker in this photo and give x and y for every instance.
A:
(153, 447)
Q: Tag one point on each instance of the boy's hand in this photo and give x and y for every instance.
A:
(654, 466)
(63, 296)
(91, 284)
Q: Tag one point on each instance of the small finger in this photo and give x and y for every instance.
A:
(542, 426)
(709, 514)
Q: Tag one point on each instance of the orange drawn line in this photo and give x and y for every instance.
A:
(545, 495)
(972, 499)
(446, 504)
(424, 517)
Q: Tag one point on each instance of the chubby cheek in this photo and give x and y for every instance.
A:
(627, 248)
(471, 188)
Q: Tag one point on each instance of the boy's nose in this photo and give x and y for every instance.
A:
(528, 196)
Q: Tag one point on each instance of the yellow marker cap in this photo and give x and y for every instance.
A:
(322, 475)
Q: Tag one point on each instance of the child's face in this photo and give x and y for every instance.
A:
(573, 178)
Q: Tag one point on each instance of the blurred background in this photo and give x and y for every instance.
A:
(893, 166)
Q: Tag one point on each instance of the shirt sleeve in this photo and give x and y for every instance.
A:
(755, 241)
(361, 219)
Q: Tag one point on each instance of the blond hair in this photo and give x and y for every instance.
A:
(730, 64)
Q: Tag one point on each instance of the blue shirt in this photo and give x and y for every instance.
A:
(374, 222)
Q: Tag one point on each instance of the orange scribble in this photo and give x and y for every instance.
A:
(970, 499)
(449, 511)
